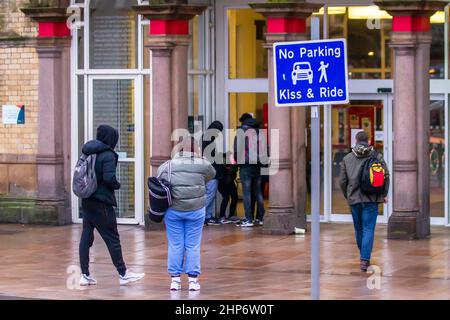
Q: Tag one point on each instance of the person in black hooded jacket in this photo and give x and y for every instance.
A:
(98, 209)
(209, 149)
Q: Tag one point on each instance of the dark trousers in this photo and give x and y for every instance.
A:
(251, 183)
(100, 216)
(228, 192)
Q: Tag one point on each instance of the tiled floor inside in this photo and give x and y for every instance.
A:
(237, 264)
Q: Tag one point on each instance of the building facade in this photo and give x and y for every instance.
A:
(145, 73)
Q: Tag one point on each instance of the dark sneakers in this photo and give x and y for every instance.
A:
(213, 222)
(364, 265)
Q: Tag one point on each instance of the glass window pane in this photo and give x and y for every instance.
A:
(113, 102)
(147, 63)
(309, 159)
(246, 56)
(437, 49)
(125, 195)
(81, 48)
(437, 158)
(113, 35)
(367, 30)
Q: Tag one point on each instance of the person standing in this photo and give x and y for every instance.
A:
(246, 154)
(209, 149)
(228, 190)
(364, 206)
(98, 209)
(184, 220)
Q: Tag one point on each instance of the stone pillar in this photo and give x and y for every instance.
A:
(168, 42)
(53, 158)
(411, 40)
(286, 22)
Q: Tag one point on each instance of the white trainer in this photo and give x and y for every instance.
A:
(175, 285)
(193, 284)
(130, 277)
(86, 280)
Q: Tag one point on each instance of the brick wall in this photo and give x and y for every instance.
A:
(18, 85)
(18, 78)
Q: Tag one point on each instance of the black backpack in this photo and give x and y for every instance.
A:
(160, 195)
(372, 178)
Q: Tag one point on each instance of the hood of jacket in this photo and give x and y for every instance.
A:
(250, 123)
(362, 150)
(216, 125)
(108, 135)
(107, 138)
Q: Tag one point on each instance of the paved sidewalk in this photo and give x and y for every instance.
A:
(237, 264)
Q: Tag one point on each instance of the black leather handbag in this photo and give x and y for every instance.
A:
(160, 195)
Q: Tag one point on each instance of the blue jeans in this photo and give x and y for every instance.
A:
(184, 235)
(364, 220)
(252, 184)
(211, 190)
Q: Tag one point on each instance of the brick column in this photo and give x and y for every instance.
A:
(411, 40)
(168, 42)
(286, 22)
(53, 158)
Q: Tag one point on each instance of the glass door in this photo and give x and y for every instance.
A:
(369, 113)
(114, 100)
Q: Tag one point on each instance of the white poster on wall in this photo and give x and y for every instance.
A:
(13, 114)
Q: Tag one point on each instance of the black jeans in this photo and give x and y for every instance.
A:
(228, 192)
(251, 184)
(100, 216)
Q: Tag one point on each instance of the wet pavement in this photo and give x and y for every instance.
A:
(37, 262)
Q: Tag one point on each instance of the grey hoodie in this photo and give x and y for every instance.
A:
(349, 176)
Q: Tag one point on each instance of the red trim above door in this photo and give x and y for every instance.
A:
(53, 29)
(160, 27)
(286, 25)
(411, 24)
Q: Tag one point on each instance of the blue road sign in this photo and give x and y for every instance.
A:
(310, 72)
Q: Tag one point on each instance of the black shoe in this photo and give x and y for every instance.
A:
(364, 265)
(258, 223)
(245, 223)
(224, 221)
(213, 222)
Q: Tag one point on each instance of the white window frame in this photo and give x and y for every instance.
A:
(89, 75)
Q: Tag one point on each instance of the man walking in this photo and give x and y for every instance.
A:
(98, 209)
(364, 180)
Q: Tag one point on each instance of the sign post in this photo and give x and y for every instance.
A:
(312, 73)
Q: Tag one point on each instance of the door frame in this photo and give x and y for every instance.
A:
(138, 159)
(329, 216)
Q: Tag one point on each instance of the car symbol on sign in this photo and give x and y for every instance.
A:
(302, 71)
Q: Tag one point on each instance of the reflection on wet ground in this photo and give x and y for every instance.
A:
(237, 264)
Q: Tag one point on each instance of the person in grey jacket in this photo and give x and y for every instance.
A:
(185, 218)
(364, 207)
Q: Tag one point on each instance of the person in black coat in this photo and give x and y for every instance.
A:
(228, 190)
(98, 210)
(209, 149)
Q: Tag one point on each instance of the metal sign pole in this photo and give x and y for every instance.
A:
(315, 203)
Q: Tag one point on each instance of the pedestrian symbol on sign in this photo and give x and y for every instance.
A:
(323, 70)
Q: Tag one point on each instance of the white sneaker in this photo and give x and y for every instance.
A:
(130, 277)
(86, 280)
(193, 284)
(175, 285)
